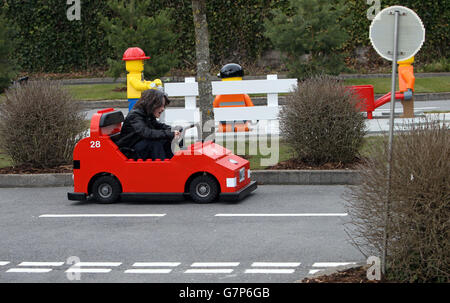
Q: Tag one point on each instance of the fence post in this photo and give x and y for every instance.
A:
(272, 99)
(190, 101)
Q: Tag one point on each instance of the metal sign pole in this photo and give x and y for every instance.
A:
(391, 137)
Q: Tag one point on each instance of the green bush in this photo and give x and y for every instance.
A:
(311, 35)
(130, 25)
(418, 247)
(321, 122)
(7, 65)
(40, 124)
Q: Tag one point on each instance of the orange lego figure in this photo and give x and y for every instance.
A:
(232, 72)
(406, 81)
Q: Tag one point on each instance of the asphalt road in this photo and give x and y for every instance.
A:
(173, 242)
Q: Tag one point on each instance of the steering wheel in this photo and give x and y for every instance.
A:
(180, 140)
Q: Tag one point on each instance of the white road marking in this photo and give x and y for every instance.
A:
(331, 264)
(29, 270)
(269, 271)
(214, 264)
(148, 271)
(102, 216)
(3, 263)
(99, 264)
(156, 264)
(41, 264)
(89, 270)
(275, 264)
(209, 271)
(284, 215)
(313, 271)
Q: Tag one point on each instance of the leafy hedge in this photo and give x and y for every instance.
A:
(435, 15)
(7, 65)
(49, 42)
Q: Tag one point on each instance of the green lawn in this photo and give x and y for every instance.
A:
(97, 92)
(5, 160)
(422, 85)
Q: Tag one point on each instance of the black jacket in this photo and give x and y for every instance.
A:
(138, 126)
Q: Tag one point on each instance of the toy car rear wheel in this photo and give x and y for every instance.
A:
(106, 189)
(204, 189)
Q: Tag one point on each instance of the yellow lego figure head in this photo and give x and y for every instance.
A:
(136, 66)
(231, 72)
(407, 61)
(134, 58)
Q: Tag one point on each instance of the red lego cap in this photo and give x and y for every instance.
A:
(134, 53)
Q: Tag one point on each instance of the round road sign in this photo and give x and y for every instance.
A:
(411, 33)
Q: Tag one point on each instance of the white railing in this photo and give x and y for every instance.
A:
(191, 114)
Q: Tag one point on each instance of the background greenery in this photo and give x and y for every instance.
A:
(48, 42)
(7, 64)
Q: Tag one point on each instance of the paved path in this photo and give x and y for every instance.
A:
(278, 234)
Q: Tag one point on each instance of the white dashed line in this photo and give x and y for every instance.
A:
(313, 271)
(29, 270)
(89, 270)
(269, 271)
(3, 263)
(99, 264)
(331, 264)
(77, 267)
(41, 264)
(102, 216)
(275, 264)
(209, 271)
(148, 271)
(214, 264)
(284, 215)
(156, 264)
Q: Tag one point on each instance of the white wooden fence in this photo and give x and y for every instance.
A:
(191, 114)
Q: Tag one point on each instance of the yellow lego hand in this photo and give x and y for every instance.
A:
(154, 84)
(158, 82)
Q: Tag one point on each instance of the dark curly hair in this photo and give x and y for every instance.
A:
(152, 99)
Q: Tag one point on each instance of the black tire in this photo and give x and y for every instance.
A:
(106, 189)
(204, 189)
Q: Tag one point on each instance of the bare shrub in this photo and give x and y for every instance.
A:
(40, 124)
(418, 224)
(321, 122)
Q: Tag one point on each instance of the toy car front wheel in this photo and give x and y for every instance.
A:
(106, 189)
(204, 189)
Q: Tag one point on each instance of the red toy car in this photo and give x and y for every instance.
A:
(203, 171)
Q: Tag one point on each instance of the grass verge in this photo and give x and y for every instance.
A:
(422, 85)
(95, 92)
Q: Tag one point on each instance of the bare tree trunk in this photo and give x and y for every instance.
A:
(203, 64)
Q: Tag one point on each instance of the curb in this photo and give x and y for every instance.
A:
(330, 271)
(35, 180)
(263, 177)
(179, 102)
(306, 177)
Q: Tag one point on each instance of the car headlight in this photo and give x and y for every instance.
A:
(231, 182)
